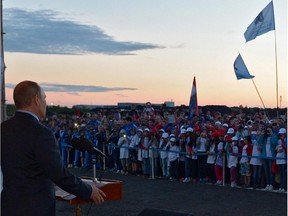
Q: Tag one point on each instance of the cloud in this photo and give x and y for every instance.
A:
(74, 93)
(121, 95)
(42, 32)
(75, 89)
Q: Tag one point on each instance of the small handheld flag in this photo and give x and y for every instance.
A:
(263, 23)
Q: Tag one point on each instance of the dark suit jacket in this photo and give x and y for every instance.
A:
(31, 165)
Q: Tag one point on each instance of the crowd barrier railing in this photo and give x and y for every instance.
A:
(153, 149)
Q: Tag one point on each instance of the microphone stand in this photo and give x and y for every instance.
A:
(84, 144)
(94, 161)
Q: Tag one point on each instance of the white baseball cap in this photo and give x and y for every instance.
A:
(173, 139)
(282, 131)
(165, 135)
(230, 131)
(189, 129)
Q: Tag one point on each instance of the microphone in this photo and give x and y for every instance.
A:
(84, 144)
(102, 153)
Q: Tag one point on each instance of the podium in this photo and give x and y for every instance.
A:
(112, 189)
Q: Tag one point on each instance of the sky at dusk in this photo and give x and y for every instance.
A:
(98, 52)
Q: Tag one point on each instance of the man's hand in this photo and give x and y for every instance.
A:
(97, 195)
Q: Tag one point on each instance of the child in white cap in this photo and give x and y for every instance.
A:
(173, 157)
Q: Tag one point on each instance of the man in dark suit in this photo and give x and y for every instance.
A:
(31, 162)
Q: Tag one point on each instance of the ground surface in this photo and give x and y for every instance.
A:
(198, 199)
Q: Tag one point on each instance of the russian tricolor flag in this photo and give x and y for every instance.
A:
(193, 105)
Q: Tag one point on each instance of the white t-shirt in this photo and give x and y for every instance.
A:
(146, 146)
(163, 146)
(232, 160)
(219, 159)
(211, 157)
(124, 152)
(173, 154)
(194, 156)
(280, 153)
(134, 139)
(202, 144)
(256, 151)
(244, 153)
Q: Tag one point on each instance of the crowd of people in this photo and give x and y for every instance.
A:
(241, 149)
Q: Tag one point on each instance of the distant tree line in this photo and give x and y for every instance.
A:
(55, 110)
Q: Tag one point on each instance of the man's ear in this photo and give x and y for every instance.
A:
(36, 99)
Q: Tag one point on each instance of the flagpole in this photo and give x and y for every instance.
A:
(264, 22)
(276, 62)
(2, 69)
(2, 82)
(260, 98)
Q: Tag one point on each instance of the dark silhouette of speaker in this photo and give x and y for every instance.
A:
(161, 212)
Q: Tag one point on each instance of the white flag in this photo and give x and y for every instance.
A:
(263, 23)
(241, 70)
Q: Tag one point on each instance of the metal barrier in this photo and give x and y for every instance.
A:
(183, 153)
